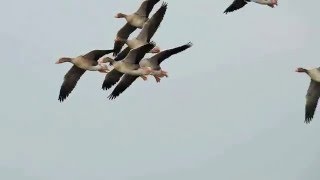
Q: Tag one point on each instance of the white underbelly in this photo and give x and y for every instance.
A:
(315, 75)
(134, 43)
(137, 21)
(125, 68)
(82, 63)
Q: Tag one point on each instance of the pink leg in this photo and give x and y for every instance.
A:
(158, 79)
(155, 50)
(144, 77)
(164, 73)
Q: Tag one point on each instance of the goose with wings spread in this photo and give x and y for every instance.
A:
(153, 63)
(237, 4)
(129, 65)
(134, 21)
(149, 29)
(147, 32)
(313, 92)
(80, 65)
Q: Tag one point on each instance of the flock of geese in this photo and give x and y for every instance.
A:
(129, 64)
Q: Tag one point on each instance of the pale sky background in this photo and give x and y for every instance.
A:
(232, 107)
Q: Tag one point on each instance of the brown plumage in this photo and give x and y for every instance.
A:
(142, 15)
(81, 64)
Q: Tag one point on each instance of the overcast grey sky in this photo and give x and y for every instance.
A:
(232, 107)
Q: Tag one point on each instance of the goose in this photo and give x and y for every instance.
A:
(80, 65)
(134, 21)
(313, 92)
(153, 63)
(147, 32)
(237, 4)
(128, 65)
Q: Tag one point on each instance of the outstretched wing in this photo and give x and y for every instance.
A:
(97, 54)
(150, 27)
(125, 82)
(122, 54)
(70, 82)
(158, 58)
(111, 79)
(135, 55)
(123, 33)
(312, 98)
(236, 4)
(146, 7)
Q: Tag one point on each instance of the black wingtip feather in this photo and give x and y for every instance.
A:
(106, 85)
(164, 4)
(308, 118)
(63, 95)
(189, 44)
(309, 113)
(112, 97)
(152, 43)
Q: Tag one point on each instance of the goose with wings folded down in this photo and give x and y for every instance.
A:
(313, 92)
(80, 65)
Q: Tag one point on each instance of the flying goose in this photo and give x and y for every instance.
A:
(154, 63)
(134, 21)
(80, 65)
(313, 92)
(147, 32)
(128, 65)
(149, 29)
(237, 4)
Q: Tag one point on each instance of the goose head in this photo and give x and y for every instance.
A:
(270, 3)
(301, 70)
(63, 60)
(120, 15)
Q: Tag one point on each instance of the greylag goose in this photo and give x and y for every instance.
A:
(154, 63)
(237, 4)
(128, 65)
(80, 65)
(134, 21)
(313, 92)
(147, 32)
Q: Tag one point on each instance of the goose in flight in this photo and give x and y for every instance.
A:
(313, 92)
(153, 63)
(128, 66)
(147, 32)
(149, 29)
(80, 65)
(237, 4)
(134, 21)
